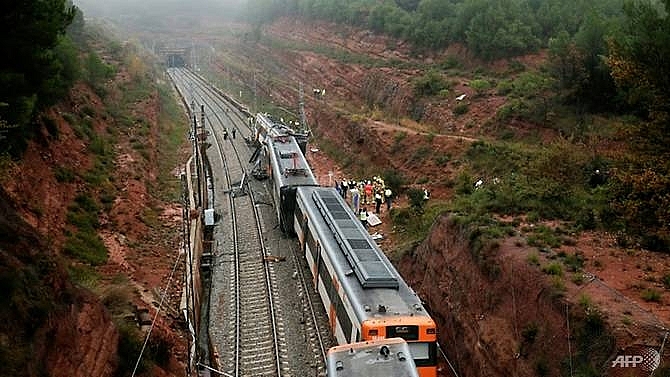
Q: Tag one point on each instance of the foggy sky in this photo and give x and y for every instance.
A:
(150, 10)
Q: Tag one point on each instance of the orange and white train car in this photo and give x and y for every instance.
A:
(365, 297)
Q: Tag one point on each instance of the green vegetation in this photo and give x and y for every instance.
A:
(553, 269)
(414, 223)
(84, 276)
(42, 67)
(172, 131)
(83, 243)
(533, 259)
(430, 84)
(594, 344)
(491, 29)
(605, 57)
(651, 295)
(97, 73)
(461, 108)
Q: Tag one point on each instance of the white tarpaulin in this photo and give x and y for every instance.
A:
(373, 220)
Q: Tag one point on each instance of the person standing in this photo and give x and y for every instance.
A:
(234, 131)
(363, 215)
(388, 194)
(344, 187)
(367, 196)
(355, 199)
(378, 201)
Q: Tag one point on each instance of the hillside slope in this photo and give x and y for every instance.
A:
(93, 227)
(46, 324)
(512, 306)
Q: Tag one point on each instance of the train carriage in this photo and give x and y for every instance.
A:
(266, 126)
(364, 296)
(287, 170)
(375, 358)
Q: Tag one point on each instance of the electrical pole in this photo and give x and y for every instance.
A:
(255, 97)
(301, 104)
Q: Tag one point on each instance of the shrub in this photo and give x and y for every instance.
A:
(651, 295)
(461, 108)
(529, 332)
(442, 160)
(394, 180)
(553, 269)
(574, 262)
(666, 280)
(130, 344)
(416, 200)
(87, 247)
(430, 84)
(480, 86)
(64, 174)
(84, 275)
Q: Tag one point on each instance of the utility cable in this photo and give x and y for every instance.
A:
(153, 321)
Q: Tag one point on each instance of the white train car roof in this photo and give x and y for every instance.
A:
(273, 128)
(289, 166)
(374, 288)
(376, 358)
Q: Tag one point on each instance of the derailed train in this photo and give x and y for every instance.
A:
(365, 297)
(281, 155)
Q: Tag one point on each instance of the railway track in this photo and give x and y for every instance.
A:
(252, 348)
(247, 324)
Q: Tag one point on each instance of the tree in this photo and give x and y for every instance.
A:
(30, 31)
(565, 64)
(598, 88)
(639, 58)
(503, 28)
(408, 5)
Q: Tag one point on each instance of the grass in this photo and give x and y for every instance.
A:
(533, 259)
(414, 226)
(461, 108)
(666, 281)
(84, 275)
(553, 268)
(87, 247)
(442, 160)
(651, 295)
(593, 341)
(64, 174)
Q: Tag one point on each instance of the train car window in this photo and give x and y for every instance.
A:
(312, 244)
(324, 276)
(423, 353)
(419, 351)
(405, 332)
(298, 214)
(343, 317)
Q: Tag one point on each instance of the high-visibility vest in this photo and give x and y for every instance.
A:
(364, 216)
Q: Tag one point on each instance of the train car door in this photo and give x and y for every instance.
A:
(317, 265)
(303, 237)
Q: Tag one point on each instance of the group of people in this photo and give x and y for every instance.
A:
(225, 133)
(363, 193)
